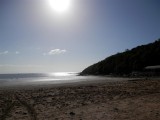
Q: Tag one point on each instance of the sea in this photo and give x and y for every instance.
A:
(56, 78)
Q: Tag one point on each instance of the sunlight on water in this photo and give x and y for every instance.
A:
(59, 76)
(62, 74)
(37, 78)
(31, 79)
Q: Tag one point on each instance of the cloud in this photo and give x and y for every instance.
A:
(56, 52)
(17, 52)
(4, 53)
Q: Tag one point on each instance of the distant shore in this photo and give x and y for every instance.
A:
(136, 99)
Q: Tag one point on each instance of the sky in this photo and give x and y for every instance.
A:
(34, 37)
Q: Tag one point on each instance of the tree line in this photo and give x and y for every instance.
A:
(127, 62)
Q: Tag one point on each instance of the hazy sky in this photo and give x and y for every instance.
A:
(36, 38)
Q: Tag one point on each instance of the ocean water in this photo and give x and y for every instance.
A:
(31, 79)
(44, 78)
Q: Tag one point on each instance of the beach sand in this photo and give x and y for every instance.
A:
(124, 100)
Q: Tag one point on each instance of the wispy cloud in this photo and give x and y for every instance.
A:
(4, 53)
(55, 52)
(17, 52)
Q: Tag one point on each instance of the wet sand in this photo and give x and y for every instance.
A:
(124, 100)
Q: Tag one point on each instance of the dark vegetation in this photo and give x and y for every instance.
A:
(127, 62)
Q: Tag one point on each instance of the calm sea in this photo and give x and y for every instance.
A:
(57, 78)
(44, 78)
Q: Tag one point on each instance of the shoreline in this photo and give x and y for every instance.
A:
(137, 99)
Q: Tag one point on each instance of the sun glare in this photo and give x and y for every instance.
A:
(60, 5)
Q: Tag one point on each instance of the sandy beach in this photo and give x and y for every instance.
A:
(123, 100)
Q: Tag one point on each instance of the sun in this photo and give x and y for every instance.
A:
(60, 6)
